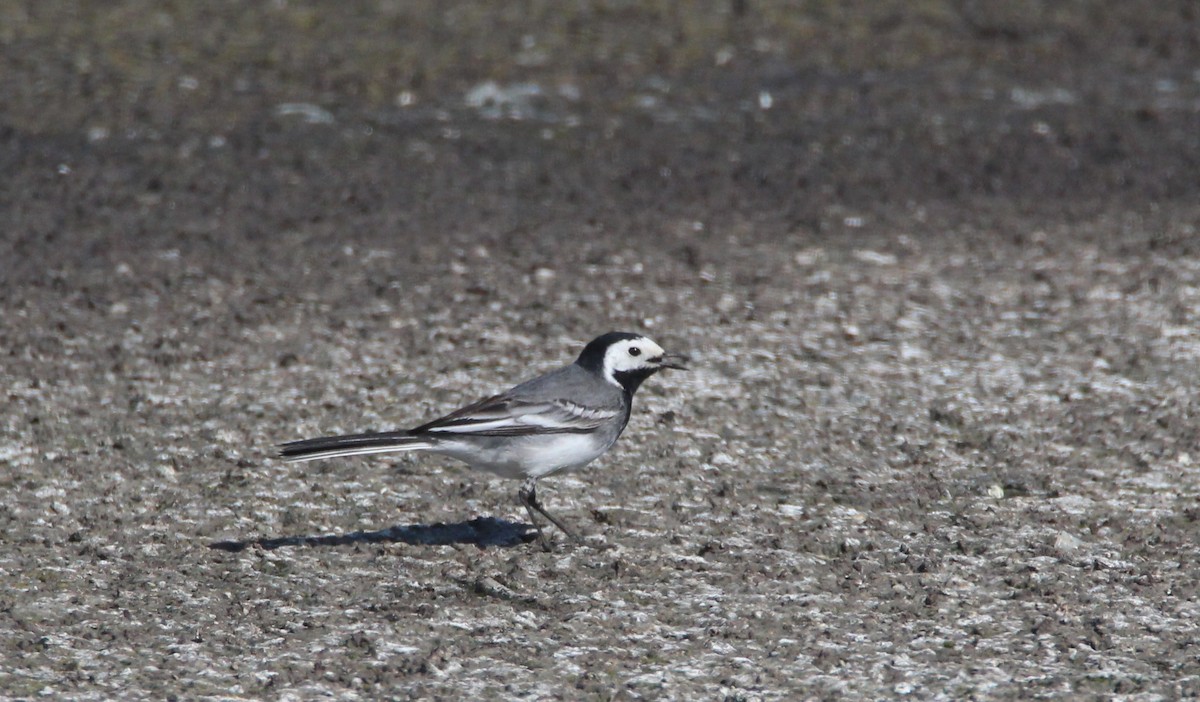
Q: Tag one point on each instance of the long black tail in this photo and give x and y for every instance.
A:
(352, 445)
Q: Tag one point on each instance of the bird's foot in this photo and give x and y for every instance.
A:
(528, 496)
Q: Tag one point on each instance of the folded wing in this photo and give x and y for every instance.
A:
(503, 415)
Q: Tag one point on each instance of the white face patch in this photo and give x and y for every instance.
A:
(631, 355)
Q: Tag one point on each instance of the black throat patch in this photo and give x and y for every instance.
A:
(631, 380)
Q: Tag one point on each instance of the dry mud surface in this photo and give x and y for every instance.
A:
(937, 265)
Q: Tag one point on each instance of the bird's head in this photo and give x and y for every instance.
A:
(627, 359)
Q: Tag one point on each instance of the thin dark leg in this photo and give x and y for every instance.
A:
(523, 495)
(528, 496)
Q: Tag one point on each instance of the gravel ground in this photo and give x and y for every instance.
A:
(937, 264)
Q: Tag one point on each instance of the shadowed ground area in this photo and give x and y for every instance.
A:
(480, 532)
(936, 263)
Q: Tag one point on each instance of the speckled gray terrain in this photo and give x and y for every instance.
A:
(937, 264)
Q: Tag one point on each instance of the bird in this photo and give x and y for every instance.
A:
(557, 422)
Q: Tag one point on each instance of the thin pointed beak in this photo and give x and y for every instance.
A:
(673, 360)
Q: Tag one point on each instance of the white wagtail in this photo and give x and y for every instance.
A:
(556, 422)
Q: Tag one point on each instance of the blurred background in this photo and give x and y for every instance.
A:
(480, 121)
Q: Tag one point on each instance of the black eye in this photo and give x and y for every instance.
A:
(635, 351)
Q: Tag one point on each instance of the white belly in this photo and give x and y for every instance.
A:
(532, 457)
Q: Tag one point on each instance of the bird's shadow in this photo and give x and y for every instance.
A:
(482, 532)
